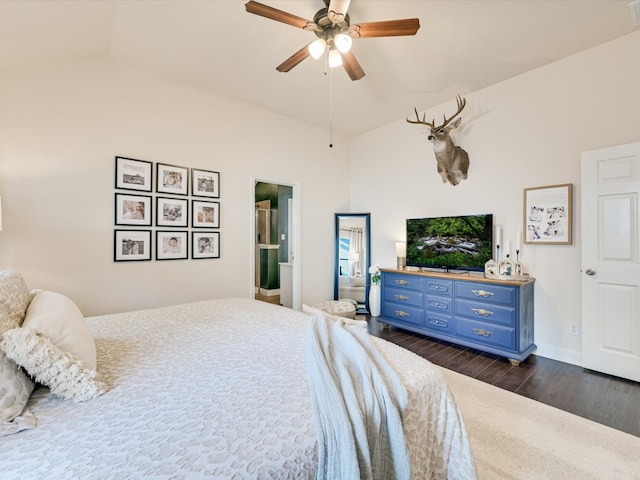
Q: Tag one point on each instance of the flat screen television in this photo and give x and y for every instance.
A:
(460, 243)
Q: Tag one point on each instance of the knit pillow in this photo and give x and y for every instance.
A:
(14, 299)
(61, 371)
(15, 386)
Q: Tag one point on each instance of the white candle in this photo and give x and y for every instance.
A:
(507, 250)
(498, 236)
(519, 240)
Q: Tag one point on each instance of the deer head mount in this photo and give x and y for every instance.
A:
(453, 161)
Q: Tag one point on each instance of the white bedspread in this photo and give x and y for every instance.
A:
(214, 389)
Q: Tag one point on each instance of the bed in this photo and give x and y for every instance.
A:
(213, 389)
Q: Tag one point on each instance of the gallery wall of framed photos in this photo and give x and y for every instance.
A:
(171, 210)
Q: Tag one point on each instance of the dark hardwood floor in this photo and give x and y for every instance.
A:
(269, 299)
(605, 399)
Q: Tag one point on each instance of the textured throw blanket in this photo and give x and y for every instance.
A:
(358, 404)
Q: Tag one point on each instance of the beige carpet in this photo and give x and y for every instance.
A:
(514, 437)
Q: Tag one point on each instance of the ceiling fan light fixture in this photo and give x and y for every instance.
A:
(343, 42)
(335, 59)
(316, 49)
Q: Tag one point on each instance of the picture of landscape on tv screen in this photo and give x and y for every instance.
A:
(462, 242)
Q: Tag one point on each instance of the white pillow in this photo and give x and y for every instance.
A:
(62, 372)
(57, 318)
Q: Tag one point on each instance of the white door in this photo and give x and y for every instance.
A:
(610, 260)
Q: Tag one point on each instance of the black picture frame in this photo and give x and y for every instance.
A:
(172, 212)
(135, 210)
(172, 245)
(131, 245)
(132, 174)
(172, 179)
(205, 245)
(205, 183)
(205, 214)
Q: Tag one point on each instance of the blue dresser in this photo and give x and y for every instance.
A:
(493, 316)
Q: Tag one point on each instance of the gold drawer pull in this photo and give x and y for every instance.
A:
(400, 313)
(482, 332)
(404, 283)
(482, 312)
(482, 293)
(404, 298)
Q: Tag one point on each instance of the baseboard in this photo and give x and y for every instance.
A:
(560, 354)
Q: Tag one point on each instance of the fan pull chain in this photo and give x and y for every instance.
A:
(330, 107)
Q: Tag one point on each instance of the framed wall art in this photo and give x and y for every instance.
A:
(171, 245)
(132, 209)
(548, 214)
(172, 212)
(132, 245)
(205, 183)
(172, 179)
(134, 174)
(205, 214)
(205, 245)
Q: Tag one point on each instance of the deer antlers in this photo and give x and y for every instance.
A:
(462, 102)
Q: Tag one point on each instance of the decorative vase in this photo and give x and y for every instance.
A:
(374, 300)
(505, 267)
(491, 268)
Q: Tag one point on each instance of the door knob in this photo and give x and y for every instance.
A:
(590, 272)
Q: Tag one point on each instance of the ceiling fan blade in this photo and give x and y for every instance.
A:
(338, 10)
(389, 28)
(352, 66)
(294, 59)
(275, 14)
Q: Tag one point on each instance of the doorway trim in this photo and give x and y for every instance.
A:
(294, 238)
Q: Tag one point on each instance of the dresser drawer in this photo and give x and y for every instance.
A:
(487, 334)
(439, 286)
(438, 323)
(402, 313)
(486, 291)
(486, 312)
(435, 303)
(404, 281)
(400, 295)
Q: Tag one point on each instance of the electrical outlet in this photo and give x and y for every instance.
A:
(574, 329)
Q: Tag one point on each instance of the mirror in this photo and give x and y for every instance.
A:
(353, 246)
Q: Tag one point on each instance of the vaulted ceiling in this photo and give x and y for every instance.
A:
(462, 46)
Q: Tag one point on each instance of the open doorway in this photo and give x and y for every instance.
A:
(275, 221)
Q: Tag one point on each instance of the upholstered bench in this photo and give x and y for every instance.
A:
(339, 308)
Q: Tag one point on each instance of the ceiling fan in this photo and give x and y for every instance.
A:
(333, 28)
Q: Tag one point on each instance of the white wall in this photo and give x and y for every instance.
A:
(61, 127)
(528, 131)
